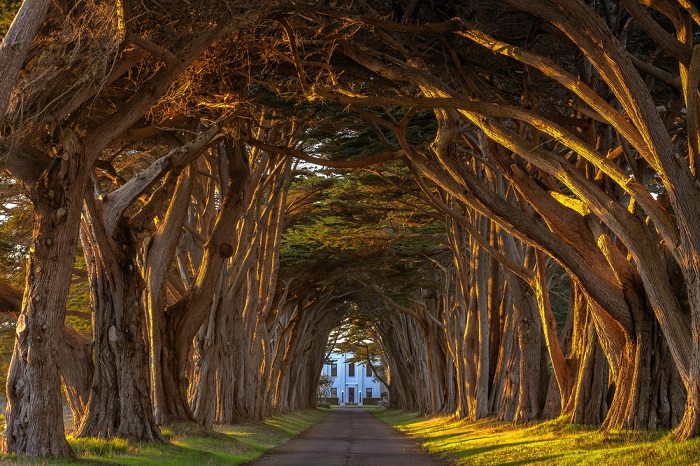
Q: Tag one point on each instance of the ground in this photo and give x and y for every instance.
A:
(454, 442)
(192, 445)
(349, 436)
(554, 442)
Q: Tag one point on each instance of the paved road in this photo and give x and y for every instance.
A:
(348, 437)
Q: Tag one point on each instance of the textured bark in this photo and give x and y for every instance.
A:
(75, 361)
(33, 382)
(690, 425)
(480, 271)
(154, 267)
(171, 399)
(120, 402)
(504, 393)
(34, 410)
(77, 369)
(589, 402)
(16, 46)
(173, 331)
(648, 392)
(529, 338)
(562, 368)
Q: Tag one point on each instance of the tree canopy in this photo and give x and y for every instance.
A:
(497, 199)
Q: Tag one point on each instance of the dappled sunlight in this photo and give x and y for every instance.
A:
(221, 221)
(490, 442)
(192, 444)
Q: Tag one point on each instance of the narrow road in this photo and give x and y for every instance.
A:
(348, 436)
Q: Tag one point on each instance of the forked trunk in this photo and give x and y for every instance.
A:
(120, 402)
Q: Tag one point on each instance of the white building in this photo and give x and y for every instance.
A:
(352, 382)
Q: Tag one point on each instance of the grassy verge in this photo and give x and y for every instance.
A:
(192, 445)
(553, 442)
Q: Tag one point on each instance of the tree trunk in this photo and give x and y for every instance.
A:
(689, 426)
(529, 338)
(647, 385)
(170, 383)
(77, 370)
(120, 401)
(34, 408)
(16, 46)
(589, 401)
(504, 393)
(76, 357)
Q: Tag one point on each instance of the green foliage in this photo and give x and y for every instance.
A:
(7, 13)
(553, 442)
(324, 386)
(339, 134)
(360, 218)
(79, 302)
(7, 342)
(15, 231)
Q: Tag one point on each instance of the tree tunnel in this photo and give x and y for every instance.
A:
(500, 198)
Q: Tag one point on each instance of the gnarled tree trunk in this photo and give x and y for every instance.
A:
(34, 408)
(120, 402)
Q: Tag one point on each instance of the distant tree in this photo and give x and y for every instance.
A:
(324, 386)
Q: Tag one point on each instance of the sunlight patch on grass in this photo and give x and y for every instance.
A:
(191, 444)
(100, 447)
(553, 442)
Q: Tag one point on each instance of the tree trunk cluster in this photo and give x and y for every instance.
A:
(561, 157)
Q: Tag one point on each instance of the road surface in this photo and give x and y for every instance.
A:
(348, 436)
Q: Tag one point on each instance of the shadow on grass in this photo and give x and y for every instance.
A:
(469, 452)
(538, 460)
(210, 449)
(491, 442)
(464, 439)
(190, 444)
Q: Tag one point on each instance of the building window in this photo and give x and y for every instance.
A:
(334, 392)
(368, 393)
(351, 369)
(369, 370)
(334, 370)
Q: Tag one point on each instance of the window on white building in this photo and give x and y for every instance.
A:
(334, 370)
(334, 392)
(351, 369)
(368, 393)
(369, 370)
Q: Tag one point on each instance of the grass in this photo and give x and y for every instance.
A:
(552, 442)
(193, 445)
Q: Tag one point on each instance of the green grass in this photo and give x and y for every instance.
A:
(193, 445)
(553, 442)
